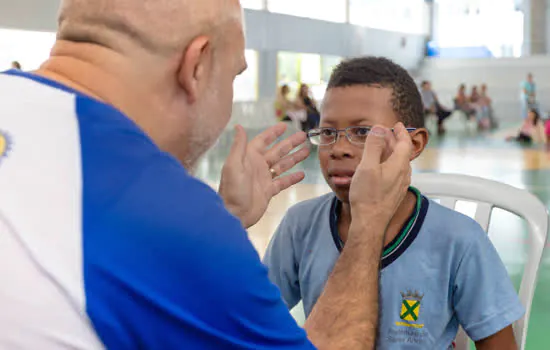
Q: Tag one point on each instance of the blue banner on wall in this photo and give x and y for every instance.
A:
(433, 50)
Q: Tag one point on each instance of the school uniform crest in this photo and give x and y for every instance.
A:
(410, 306)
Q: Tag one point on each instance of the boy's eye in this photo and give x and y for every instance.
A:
(360, 131)
(322, 136)
(327, 132)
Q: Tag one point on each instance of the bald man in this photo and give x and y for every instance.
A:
(106, 238)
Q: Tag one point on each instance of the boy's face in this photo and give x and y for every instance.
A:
(354, 106)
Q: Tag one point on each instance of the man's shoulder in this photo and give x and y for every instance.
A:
(168, 236)
(164, 192)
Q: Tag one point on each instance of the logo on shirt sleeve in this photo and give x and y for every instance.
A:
(410, 309)
(5, 145)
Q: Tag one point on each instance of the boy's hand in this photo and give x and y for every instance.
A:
(382, 179)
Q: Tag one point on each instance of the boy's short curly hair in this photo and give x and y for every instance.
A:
(380, 71)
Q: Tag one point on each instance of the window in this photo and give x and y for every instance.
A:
(328, 63)
(246, 85)
(406, 16)
(503, 37)
(288, 70)
(29, 48)
(311, 69)
(253, 4)
(326, 10)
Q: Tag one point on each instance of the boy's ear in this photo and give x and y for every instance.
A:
(420, 139)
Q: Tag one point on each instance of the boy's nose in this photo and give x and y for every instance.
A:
(342, 148)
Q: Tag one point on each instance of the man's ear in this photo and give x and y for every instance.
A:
(420, 139)
(195, 67)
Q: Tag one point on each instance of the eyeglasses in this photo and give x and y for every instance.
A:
(328, 136)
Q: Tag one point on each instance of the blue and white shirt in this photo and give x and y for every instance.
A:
(440, 272)
(106, 242)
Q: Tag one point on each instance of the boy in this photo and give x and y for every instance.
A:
(439, 270)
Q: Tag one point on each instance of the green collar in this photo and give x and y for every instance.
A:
(401, 242)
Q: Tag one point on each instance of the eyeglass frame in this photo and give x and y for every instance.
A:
(339, 131)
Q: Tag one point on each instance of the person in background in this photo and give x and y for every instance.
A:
(462, 103)
(474, 95)
(16, 65)
(528, 133)
(528, 95)
(283, 104)
(432, 106)
(486, 105)
(476, 103)
(547, 131)
(305, 101)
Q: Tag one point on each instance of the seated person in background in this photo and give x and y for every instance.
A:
(474, 95)
(16, 65)
(529, 130)
(462, 102)
(486, 105)
(439, 269)
(283, 105)
(432, 105)
(305, 101)
(482, 116)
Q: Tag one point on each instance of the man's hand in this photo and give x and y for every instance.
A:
(383, 177)
(247, 183)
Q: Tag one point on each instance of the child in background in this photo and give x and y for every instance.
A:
(529, 129)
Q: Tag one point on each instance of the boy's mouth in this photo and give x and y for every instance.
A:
(341, 177)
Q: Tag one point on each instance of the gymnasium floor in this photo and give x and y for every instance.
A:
(460, 151)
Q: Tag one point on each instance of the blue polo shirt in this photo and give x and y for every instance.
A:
(440, 271)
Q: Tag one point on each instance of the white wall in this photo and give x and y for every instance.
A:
(275, 32)
(40, 15)
(266, 33)
(503, 77)
(253, 115)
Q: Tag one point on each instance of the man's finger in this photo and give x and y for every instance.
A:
(287, 181)
(375, 146)
(238, 149)
(290, 161)
(399, 160)
(266, 138)
(403, 142)
(391, 141)
(402, 135)
(283, 148)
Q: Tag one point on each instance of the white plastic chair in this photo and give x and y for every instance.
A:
(488, 194)
(299, 314)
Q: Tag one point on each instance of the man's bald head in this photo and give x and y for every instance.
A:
(160, 26)
(169, 65)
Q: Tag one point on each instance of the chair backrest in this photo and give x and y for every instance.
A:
(488, 194)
